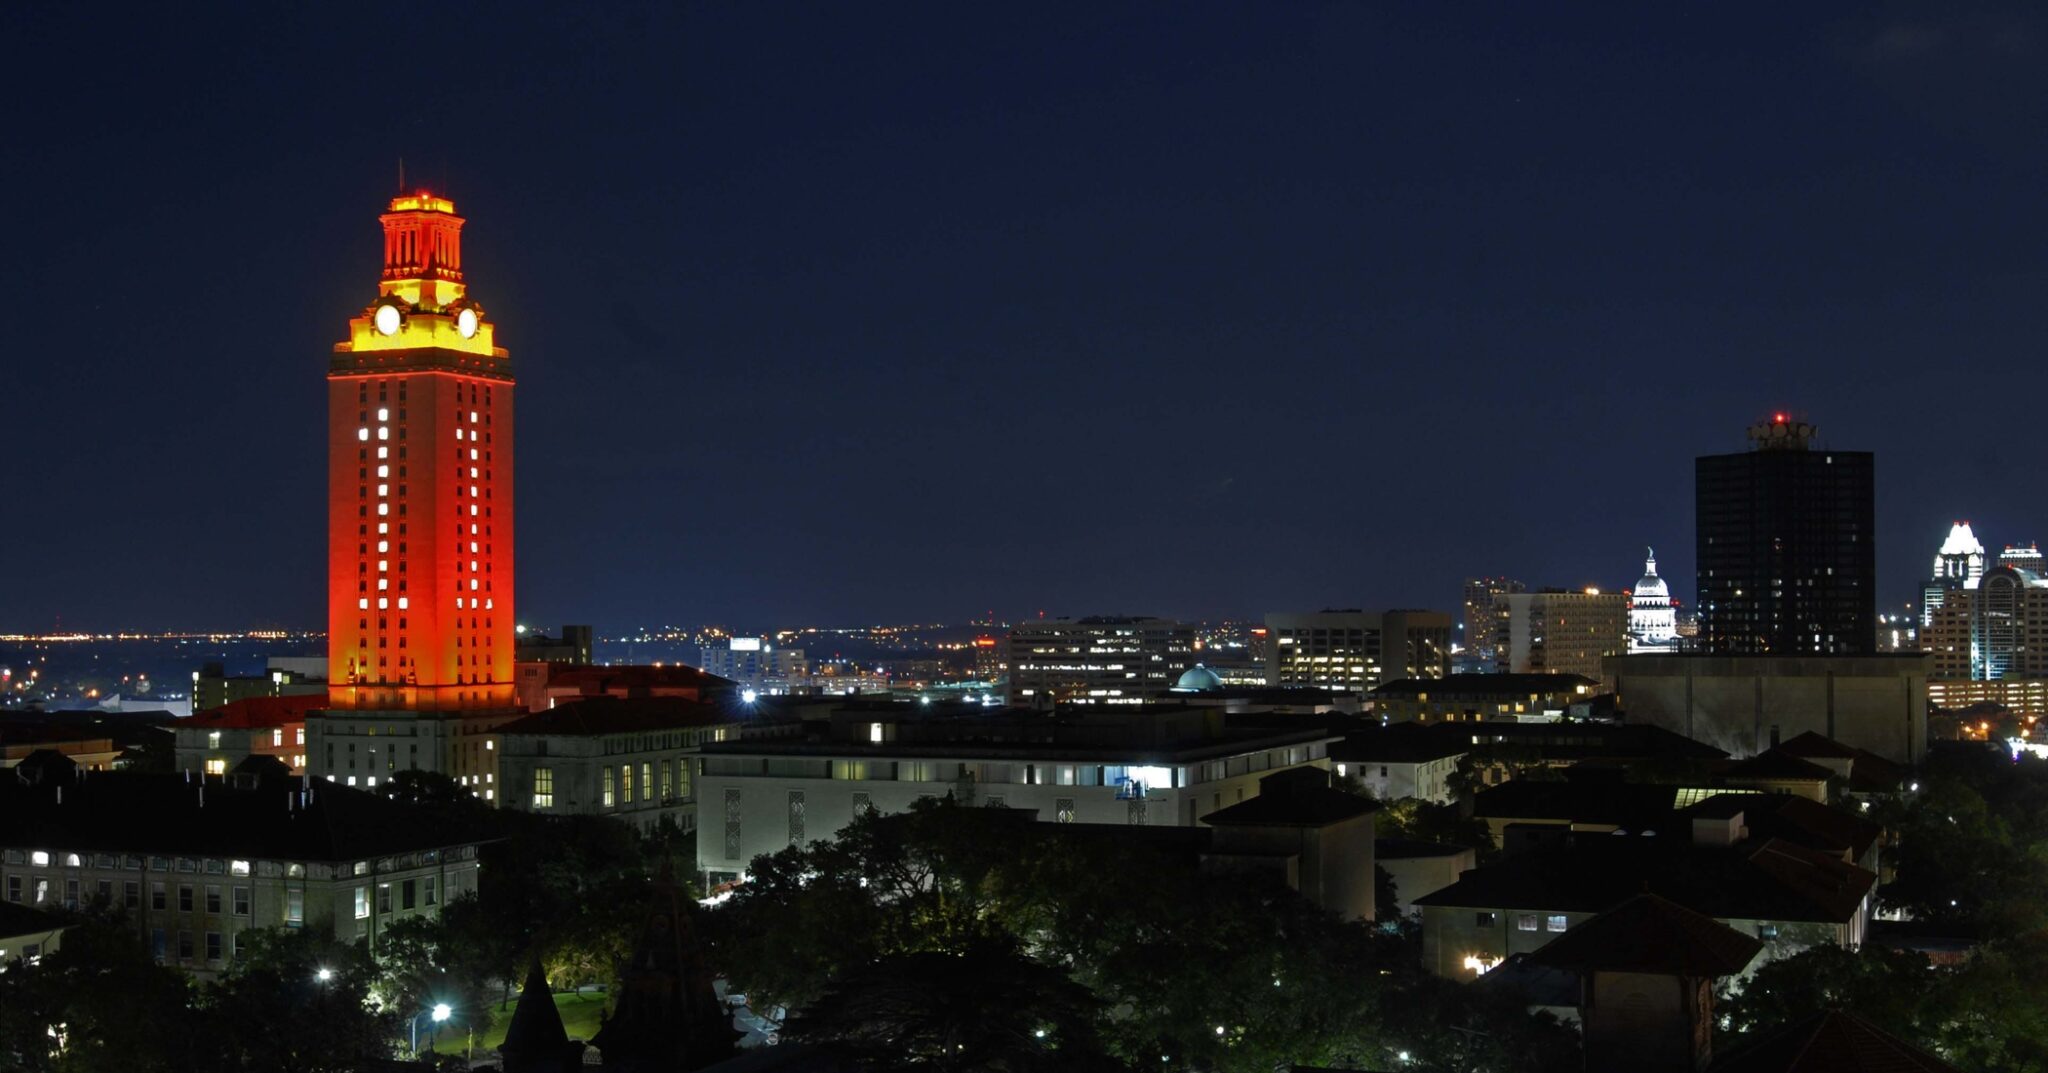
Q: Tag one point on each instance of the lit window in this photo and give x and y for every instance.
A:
(544, 787)
(362, 434)
(383, 472)
(383, 414)
(383, 452)
(403, 603)
(383, 546)
(363, 604)
(362, 900)
(383, 433)
(383, 489)
(383, 509)
(277, 735)
(383, 566)
(1525, 922)
(472, 417)
(383, 602)
(875, 733)
(609, 788)
(1555, 922)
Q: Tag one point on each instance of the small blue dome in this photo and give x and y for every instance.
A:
(1197, 679)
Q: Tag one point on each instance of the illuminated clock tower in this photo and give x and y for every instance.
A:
(419, 496)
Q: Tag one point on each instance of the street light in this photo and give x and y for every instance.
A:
(325, 974)
(439, 1013)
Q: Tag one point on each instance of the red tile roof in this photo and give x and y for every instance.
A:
(253, 713)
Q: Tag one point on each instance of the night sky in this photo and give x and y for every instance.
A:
(879, 312)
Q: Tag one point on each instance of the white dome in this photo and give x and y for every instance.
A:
(1651, 585)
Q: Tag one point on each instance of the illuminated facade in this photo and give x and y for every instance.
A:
(1485, 629)
(420, 485)
(1959, 564)
(1995, 630)
(1098, 660)
(1652, 617)
(1561, 631)
(1353, 651)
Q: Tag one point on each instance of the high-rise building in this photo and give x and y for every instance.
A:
(1565, 631)
(1354, 651)
(2024, 557)
(420, 644)
(419, 407)
(1997, 630)
(1652, 616)
(756, 663)
(1098, 660)
(1484, 631)
(1787, 554)
(1957, 565)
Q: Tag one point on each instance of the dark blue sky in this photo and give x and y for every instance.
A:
(878, 312)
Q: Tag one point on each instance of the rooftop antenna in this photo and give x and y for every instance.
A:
(401, 175)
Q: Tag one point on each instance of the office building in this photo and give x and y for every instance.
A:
(1994, 631)
(1353, 651)
(2024, 557)
(283, 676)
(1098, 660)
(1480, 698)
(1958, 564)
(1484, 633)
(1652, 613)
(1787, 555)
(1562, 631)
(755, 663)
(572, 646)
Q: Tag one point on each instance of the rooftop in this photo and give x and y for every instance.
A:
(1297, 797)
(625, 715)
(16, 919)
(1486, 685)
(255, 713)
(1650, 934)
(1768, 879)
(171, 815)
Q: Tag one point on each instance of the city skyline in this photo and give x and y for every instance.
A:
(746, 404)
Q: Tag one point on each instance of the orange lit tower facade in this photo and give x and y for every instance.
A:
(419, 546)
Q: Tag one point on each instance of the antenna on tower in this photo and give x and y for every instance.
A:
(401, 175)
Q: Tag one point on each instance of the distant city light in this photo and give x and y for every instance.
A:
(749, 696)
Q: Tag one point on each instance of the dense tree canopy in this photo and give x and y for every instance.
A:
(1207, 971)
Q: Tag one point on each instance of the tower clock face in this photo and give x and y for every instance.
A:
(387, 319)
(465, 322)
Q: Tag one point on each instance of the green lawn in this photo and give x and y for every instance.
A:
(580, 1013)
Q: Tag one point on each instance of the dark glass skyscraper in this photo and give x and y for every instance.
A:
(1787, 558)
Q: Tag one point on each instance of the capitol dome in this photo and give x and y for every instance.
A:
(1651, 585)
(1197, 679)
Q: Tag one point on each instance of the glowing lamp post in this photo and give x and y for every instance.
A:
(439, 1013)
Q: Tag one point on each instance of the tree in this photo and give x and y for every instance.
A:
(297, 1001)
(98, 1004)
(1893, 988)
(990, 1009)
(1221, 971)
